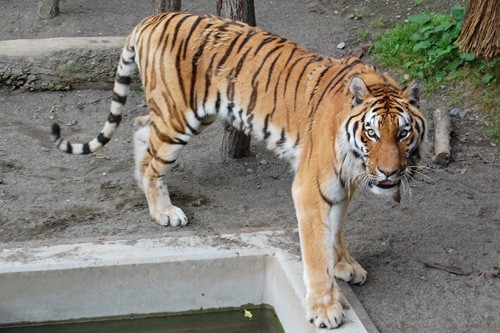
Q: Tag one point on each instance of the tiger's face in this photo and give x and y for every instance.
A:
(384, 134)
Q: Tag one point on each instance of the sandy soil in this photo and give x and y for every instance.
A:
(451, 216)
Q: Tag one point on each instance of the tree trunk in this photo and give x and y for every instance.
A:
(235, 144)
(48, 9)
(160, 6)
(481, 29)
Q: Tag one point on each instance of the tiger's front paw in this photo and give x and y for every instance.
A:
(350, 271)
(170, 215)
(324, 312)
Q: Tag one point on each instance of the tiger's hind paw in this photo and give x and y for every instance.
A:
(350, 271)
(171, 215)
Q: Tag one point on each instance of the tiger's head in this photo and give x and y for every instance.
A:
(383, 133)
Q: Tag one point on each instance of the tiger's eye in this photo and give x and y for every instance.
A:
(370, 133)
(403, 133)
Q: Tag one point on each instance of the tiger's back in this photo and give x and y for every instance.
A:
(341, 123)
(195, 67)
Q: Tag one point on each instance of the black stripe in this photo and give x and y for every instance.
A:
(166, 138)
(69, 147)
(247, 38)
(217, 102)
(228, 51)
(299, 79)
(194, 70)
(289, 74)
(267, 134)
(240, 62)
(165, 27)
(264, 42)
(123, 79)
(114, 118)
(290, 56)
(190, 34)
(102, 139)
(271, 70)
(335, 80)
(263, 63)
(208, 81)
(321, 75)
(119, 99)
(86, 148)
(179, 73)
(282, 139)
(253, 100)
(56, 131)
(297, 141)
(177, 28)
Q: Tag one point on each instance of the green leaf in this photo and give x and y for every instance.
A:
(417, 36)
(487, 78)
(458, 12)
(421, 45)
(467, 56)
(422, 18)
(420, 75)
(454, 64)
(440, 75)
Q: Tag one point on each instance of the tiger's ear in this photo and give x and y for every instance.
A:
(358, 91)
(412, 93)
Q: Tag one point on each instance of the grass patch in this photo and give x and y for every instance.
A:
(424, 48)
(362, 35)
(378, 23)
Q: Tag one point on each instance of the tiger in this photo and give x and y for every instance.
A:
(342, 125)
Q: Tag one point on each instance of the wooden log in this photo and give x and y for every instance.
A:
(442, 129)
(236, 144)
(160, 6)
(48, 9)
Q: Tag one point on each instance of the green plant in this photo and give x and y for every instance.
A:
(356, 15)
(425, 45)
(362, 35)
(377, 23)
(73, 68)
(435, 41)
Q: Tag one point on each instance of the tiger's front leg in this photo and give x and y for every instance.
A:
(320, 207)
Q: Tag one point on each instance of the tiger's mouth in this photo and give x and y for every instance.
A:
(385, 184)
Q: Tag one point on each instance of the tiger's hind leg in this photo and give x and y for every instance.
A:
(158, 155)
(155, 163)
(141, 140)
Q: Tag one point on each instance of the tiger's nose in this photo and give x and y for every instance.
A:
(388, 173)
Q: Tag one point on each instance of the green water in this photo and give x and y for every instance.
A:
(264, 320)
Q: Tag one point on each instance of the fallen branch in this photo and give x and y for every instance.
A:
(442, 128)
(450, 269)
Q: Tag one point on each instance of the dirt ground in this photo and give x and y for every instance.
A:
(451, 217)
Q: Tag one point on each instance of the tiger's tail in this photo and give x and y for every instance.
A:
(126, 68)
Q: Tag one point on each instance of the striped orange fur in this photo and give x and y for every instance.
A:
(342, 124)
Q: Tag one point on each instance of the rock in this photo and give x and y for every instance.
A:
(249, 170)
(341, 45)
(263, 162)
(455, 112)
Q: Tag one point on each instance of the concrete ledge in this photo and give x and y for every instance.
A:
(155, 276)
(59, 63)
(30, 48)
